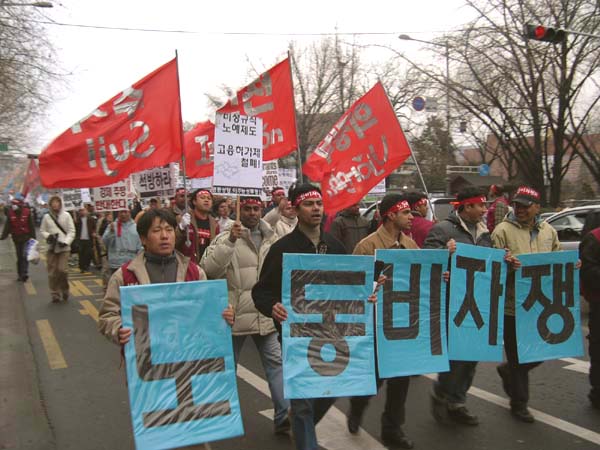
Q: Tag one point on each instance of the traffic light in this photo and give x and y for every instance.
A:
(545, 34)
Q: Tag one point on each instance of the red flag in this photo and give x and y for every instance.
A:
(198, 148)
(32, 178)
(363, 147)
(270, 97)
(138, 129)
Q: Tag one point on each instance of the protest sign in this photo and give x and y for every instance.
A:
(157, 182)
(237, 155)
(270, 178)
(113, 197)
(180, 365)
(328, 341)
(287, 177)
(411, 313)
(476, 313)
(72, 199)
(548, 320)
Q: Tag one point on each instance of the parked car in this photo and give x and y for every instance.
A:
(568, 223)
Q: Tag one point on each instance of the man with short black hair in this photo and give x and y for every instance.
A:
(197, 228)
(419, 204)
(20, 225)
(463, 225)
(349, 227)
(277, 194)
(307, 237)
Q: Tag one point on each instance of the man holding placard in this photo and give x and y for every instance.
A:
(463, 225)
(397, 218)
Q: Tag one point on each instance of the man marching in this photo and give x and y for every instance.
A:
(19, 224)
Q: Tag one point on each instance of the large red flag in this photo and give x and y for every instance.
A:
(363, 147)
(32, 178)
(270, 97)
(198, 148)
(138, 129)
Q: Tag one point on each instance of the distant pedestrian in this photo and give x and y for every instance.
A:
(197, 227)
(288, 220)
(121, 240)
(85, 233)
(419, 204)
(221, 212)
(20, 225)
(59, 231)
(499, 206)
(349, 227)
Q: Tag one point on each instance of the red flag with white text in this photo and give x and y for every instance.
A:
(32, 178)
(138, 129)
(364, 146)
(198, 147)
(270, 97)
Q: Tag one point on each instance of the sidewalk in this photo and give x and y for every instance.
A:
(23, 421)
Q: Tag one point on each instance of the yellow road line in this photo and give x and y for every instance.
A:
(30, 288)
(82, 288)
(56, 360)
(88, 309)
(98, 282)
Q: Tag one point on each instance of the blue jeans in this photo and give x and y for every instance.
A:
(452, 386)
(270, 354)
(306, 414)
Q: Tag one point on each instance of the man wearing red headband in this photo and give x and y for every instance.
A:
(420, 225)
(397, 218)
(521, 231)
(237, 255)
(197, 228)
(499, 207)
(178, 208)
(464, 225)
(277, 194)
(307, 237)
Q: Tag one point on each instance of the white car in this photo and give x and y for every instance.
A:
(569, 223)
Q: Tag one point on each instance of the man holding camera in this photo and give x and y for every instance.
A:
(59, 231)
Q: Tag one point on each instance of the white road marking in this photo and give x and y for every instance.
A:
(577, 365)
(563, 425)
(331, 430)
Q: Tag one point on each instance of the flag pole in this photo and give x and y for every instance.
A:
(299, 178)
(185, 192)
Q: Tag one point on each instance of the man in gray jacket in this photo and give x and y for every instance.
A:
(237, 255)
(463, 225)
(121, 240)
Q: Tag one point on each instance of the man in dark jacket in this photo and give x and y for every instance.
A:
(197, 228)
(307, 237)
(349, 227)
(19, 224)
(85, 233)
(463, 225)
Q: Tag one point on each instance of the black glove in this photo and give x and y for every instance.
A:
(62, 244)
(51, 239)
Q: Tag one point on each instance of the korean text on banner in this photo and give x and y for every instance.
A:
(328, 342)
(157, 182)
(113, 197)
(548, 319)
(238, 155)
(180, 366)
(135, 130)
(270, 178)
(198, 145)
(411, 313)
(270, 97)
(363, 147)
(72, 199)
(476, 312)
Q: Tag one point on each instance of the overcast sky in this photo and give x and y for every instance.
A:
(101, 62)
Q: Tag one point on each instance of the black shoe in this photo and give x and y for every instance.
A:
(283, 427)
(522, 413)
(505, 377)
(438, 408)
(24, 279)
(55, 299)
(463, 416)
(353, 422)
(396, 440)
(595, 400)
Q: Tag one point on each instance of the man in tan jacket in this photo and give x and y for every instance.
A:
(397, 219)
(238, 255)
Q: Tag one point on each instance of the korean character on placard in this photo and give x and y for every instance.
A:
(226, 116)
(236, 127)
(158, 180)
(244, 162)
(166, 179)
(221, 149)
(105, 192)
(235, 118)
(244, 129)
(230, 150)
(142, 181)
(252, 120)
(119, 191)
(252, 131)
(225, 127)
(239, 149)
(244, 119)
(254, 163)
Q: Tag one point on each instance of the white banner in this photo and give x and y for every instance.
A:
(200, 183)
(158, 182)
(287, 177)
(238, 155)
(72, 199)
(270, 178)
(113, 197)
(378, 189)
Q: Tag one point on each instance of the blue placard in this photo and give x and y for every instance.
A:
(476, 312)
(411, 313)
(328, 344)
(548, 317)
(180, 367)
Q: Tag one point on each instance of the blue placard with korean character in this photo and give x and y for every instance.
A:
(411, 313)
(180, 367)
(476, 311)
(547, 312)
(328, 344)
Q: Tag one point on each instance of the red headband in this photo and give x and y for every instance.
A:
(422, 201)
(469, 201)
(250, 201)
(278, 192)
(204, 191)
(398, 207)
(306, 196)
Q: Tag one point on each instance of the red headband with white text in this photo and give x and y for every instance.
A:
(307, 196)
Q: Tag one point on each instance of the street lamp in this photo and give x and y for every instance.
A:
(406, 37)
(36, 4)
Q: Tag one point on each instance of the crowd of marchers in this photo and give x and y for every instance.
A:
(201, 237)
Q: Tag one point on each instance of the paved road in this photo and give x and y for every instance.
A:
(72, 394)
